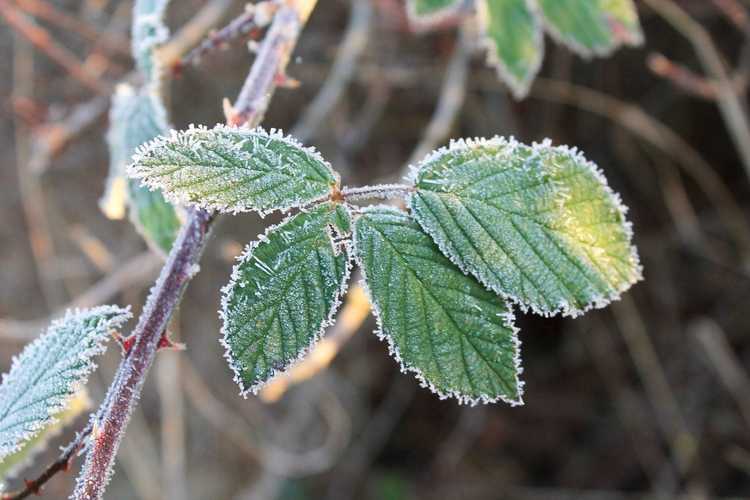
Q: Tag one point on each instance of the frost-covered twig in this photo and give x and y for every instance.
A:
(269, 68)
(112, 419)
(241, 26)
(33, 486)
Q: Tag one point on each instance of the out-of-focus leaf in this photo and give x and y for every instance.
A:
(431, 12)
(137, 117)
(234, 169)
(456, 336)
(537, 224)
(148, 32)
(592, 26)
(512, 33)
(50, 371)
(283, 293)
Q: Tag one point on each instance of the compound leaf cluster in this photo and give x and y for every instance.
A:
(513, 30)
(48, 373)
(490, 224)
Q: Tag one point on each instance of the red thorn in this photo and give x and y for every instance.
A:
(283, 80)
(32, 486)
(177, 69)
(166, 342)
(126, 343)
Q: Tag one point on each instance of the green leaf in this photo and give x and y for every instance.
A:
(537, 224)
(284, 291)
(441, 324)
(137, 117)
(592, 26)
(148, 32)
(50, 370)
(234, 169)
(512, 33)
(431, 12)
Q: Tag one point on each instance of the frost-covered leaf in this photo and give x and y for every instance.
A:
(441, 324)
(148, 32)
(431, 12)
(234, 169)
(137, 117)
(512, 33)
(537, 224)
(283, 292)
(592, 26)
(14, 463)
(50, 370)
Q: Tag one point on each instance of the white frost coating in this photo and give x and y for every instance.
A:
(49, 371)
(462, 399)
(234, 280)
(564, 308)
(519, 88)
(193, 138)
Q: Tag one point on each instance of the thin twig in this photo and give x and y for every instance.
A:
(683, 443)
(730, 105)
(191, 33)
(241, 26)
(34, 486)
(42, 40)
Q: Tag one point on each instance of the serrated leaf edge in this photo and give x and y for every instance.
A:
(329, 321)
(564, 308)
(123, 314)
(519, 89)
(189, 134)
(462, 399)
(583, 51)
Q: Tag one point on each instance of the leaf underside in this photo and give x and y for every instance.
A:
(284, 291)
(234, 169)
(50, 370)
(440, 323)
(136, 118)
(538, 224)
(512, 33)
(592, 26)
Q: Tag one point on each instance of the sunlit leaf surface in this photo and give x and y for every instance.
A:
(537, 224)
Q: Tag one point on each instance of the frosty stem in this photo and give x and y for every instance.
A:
(114, 414)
